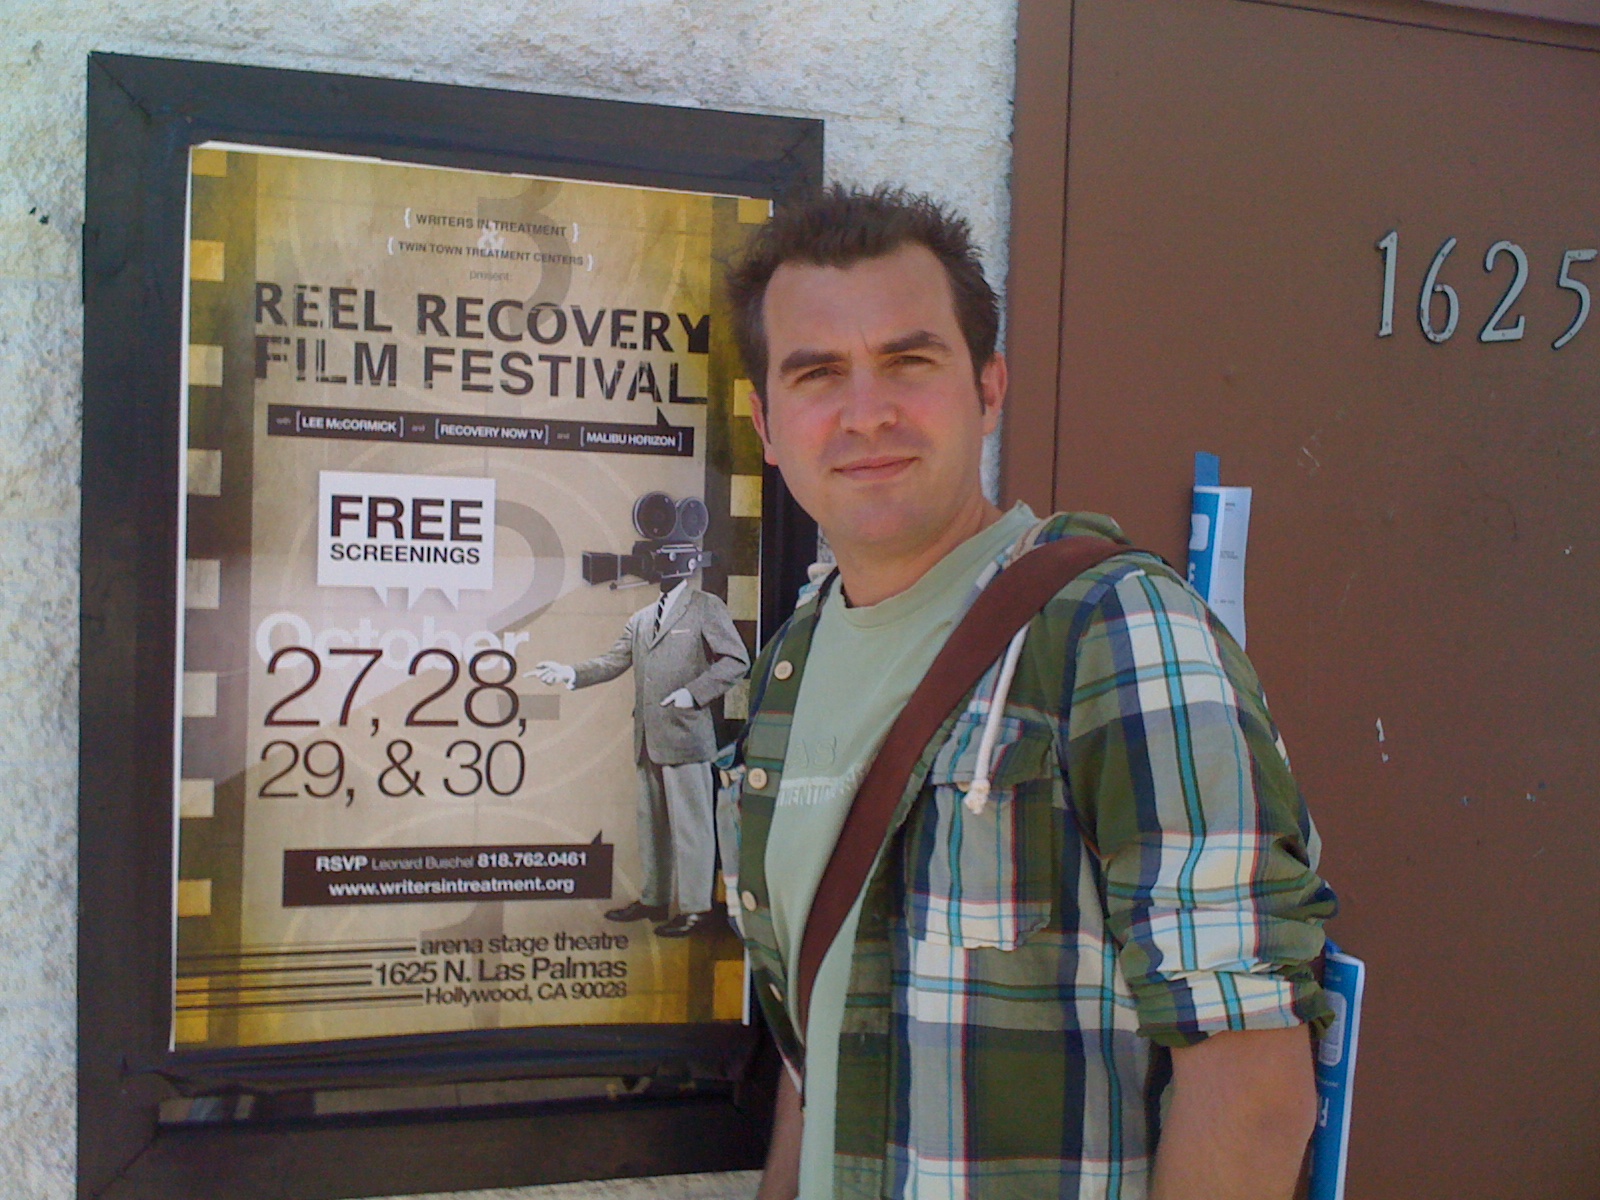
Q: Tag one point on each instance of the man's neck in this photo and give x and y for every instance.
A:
(871, 575)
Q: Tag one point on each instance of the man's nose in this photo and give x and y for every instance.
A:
(868, 404)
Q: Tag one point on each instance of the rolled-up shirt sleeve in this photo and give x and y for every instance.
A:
(1178, 776)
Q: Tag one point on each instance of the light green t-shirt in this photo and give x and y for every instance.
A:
(863, 666)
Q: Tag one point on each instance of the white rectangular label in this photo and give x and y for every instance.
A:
(405, 531)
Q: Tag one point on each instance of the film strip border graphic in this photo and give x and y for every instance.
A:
(218, 979)
(216, 599)
(733, 485)
(734, 462)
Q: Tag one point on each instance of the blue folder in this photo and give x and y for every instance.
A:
(1344, 978)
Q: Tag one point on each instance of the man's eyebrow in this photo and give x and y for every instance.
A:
(919, 339)
(799, 360)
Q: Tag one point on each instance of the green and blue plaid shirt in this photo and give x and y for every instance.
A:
(1143, 875)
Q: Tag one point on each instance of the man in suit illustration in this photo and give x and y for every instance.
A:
(685, 652)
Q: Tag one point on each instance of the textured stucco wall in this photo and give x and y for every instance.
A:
(917, 91)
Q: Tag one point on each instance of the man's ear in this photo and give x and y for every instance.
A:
(758, 418)
(992, 383)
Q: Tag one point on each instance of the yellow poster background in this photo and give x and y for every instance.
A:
(350, 286)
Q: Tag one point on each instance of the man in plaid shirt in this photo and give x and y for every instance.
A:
(1081, 966)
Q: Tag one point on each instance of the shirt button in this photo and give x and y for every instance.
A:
(757, 778)
(777, 992)
(783, 670)
(749, 901)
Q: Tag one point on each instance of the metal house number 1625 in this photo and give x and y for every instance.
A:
(1439, 308)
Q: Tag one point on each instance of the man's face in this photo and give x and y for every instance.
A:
(870, 409)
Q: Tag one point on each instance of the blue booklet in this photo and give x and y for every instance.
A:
(1343, 979)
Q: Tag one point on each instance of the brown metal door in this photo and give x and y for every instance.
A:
(1425, 551)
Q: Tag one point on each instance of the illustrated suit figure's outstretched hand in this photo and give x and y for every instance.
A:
(555, 674)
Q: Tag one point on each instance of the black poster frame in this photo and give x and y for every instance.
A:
(144, 114)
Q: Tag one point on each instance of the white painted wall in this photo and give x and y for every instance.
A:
(913, 91)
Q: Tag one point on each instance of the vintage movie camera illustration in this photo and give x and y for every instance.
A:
(685, 652)
(668, 548)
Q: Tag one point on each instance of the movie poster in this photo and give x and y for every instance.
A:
(471, 512)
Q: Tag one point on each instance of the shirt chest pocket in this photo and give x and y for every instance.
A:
(987, 878)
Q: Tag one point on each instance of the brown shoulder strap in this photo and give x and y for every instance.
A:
(1010, 601)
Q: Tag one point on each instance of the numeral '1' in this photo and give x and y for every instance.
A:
(1389, 243)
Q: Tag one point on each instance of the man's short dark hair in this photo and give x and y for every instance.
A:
(841, 226)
